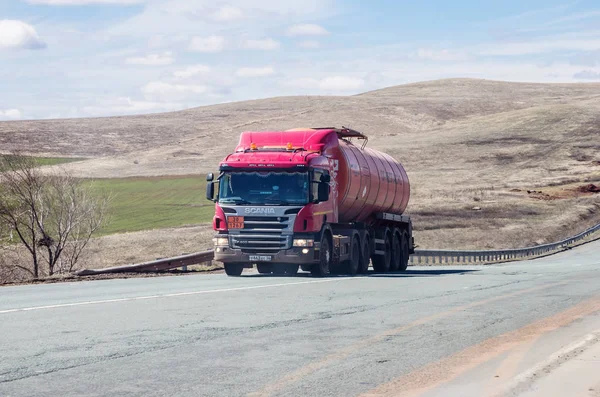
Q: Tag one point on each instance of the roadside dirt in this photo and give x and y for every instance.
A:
(72, 278)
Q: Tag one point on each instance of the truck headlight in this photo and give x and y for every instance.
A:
(303, 242)
(221, 241)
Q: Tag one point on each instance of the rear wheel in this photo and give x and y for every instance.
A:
(396, 260)
(405, 254)
(233, 269)
(322, 268)
(352, 264)
(365, 257)
(381, 263)
(264, 268)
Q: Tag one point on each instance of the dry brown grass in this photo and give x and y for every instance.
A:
(465, 143)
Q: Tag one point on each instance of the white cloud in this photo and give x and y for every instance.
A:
(255, 72)
(311, 44)
(191, 71)
(307, 30)
(159, 91)
(152, 59)
(587, 75)
(197, 17)
(263, 44)
(84, 2)
(341, 83)
(327, 84)
(125, 105)
(549, 44)
(440, 55)
(10, 114)
(227, 13)
(207, 44)
(18, 34)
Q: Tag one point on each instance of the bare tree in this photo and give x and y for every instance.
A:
(53, 215)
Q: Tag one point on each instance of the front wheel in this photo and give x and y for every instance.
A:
(234, 269)
(322, 268)
(291, 269)
(264, 268)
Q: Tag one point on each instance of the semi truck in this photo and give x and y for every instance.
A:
(311, 198)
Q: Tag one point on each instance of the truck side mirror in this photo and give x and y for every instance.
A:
(323, 192)
(210, 191)
(325, 178)
(210, 177)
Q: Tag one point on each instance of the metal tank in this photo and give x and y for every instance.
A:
(368, 181)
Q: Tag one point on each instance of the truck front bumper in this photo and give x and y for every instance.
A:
(294, 255)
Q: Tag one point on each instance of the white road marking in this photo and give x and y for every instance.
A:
(137, 298)
(543, 368)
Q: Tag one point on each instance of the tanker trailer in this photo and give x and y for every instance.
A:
(310, 198)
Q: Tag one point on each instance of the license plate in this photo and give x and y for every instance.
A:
(261, 258)
(235, 222)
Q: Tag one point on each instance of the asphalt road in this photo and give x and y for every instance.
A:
(430, 331)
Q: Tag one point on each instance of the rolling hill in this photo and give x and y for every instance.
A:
(492, 164)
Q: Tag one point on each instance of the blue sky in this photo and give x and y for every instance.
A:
(87, 58)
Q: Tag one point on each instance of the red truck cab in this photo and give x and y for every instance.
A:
(282, 202)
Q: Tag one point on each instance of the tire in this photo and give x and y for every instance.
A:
(279, 269)
(405, 254)
(396, 260)
(321, 269)
(291, 269)
(264, 268)
(234, 269)
(381, 263)
(365, 257)
(351, 265)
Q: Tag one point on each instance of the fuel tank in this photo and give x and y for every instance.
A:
(367, 181)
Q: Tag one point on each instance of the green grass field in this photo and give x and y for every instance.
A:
(155, 202)
(48, 161)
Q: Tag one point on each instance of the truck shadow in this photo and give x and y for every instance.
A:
(422, 273)
(407, 273)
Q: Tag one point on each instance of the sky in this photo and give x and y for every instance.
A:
(89, 58)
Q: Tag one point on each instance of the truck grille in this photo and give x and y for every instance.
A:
(265, 222)
(262, 234)
(260, 241)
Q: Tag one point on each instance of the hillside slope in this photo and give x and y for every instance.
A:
(472, 148)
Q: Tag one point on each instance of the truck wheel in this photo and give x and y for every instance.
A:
(381, 263)
(233, 269)
(351, 265)
(291, 269)
(278, 269)
(405, 254)
(322, 268)
(396, 260)
(365, 257)
(264, 268)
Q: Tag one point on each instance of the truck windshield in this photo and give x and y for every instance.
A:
(269, 188)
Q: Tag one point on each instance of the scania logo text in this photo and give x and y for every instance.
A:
(259, 210)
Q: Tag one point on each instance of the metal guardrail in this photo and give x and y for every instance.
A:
(155, 266)
(488, 256)
(419, 257)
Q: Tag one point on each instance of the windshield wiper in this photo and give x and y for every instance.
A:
(237, 202)
(281, 202)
